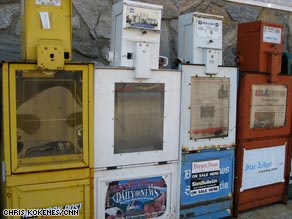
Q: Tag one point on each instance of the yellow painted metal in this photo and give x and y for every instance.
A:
(5, 142)
(91, 115)
(51, 194)
(47, 176)
(13, 164)
(50, 54)
(56, 25)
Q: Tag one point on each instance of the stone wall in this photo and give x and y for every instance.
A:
(92, 26)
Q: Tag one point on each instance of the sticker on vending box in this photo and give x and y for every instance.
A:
(143, 18)
(263, 166)
(136, 198)
(209, 28)
(49, 2)
(272, 35)
(205, 177)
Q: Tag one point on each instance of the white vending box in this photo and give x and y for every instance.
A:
(135, 121)
(135, 37)
(137, 192)
(200, 40)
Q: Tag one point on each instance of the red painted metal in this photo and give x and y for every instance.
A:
(256, 54)
(264, 195)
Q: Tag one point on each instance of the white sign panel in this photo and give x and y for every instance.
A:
(142, 18)
(49, 2)
(209, 28)
(263, 166)
(272, 35)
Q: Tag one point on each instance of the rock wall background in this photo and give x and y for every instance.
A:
(92, 26)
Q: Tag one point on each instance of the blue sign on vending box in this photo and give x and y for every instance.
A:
(207, 176)
(136, 198)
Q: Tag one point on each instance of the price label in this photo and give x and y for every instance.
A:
(49, 2)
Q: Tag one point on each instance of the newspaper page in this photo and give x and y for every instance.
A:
(268, 106)
(209, 107)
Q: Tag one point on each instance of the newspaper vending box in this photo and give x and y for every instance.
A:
(208, 114)
(136, 124)
(47, 112)
(264, 118)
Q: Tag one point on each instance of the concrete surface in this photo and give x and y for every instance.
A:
(274, 211)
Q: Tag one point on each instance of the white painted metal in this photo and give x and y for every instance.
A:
(132, 23)
(186, 142)
(198, 34)
(104, 113)
(103, 179)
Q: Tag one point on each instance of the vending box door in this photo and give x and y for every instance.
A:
(60, 199)
(137, 192)
(135, 121)
(46, 117)
(257, 42)
(265, 108)
(207, 184)
(262, 173)
(208, 108)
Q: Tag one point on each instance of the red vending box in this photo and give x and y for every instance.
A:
(259, 47)
(263, 118)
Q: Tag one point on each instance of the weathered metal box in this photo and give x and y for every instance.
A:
(259, 46)
(207, 184)
(137, 192)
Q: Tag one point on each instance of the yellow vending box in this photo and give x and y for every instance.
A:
(46, 117)
(46, 139)
(46, 147)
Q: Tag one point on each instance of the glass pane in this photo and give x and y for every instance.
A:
(209, 107)
(49, 113)
(268, 106)
(139, 113)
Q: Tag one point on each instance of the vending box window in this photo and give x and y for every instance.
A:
(49, 110)
(266, 112)
(208, 108)
(139, 110)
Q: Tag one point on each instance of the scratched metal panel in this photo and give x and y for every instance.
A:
(207, 178)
